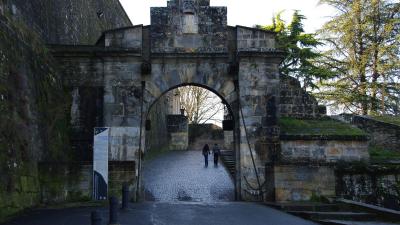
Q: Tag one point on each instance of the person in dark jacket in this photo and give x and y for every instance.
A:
(216, 151)
(206, 152)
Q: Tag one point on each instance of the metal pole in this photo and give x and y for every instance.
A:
(140, 142)
(125, 196)
(113, 211)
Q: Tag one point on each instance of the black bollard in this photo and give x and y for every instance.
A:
(125, 196)
(114, 211)
(95, 218)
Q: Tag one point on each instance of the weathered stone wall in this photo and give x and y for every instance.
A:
(33, 120)
(168, 131)
(119, 173)
(131, 37)
(34, 107)
(229, 141)
(252, 39)
(157, 135)
(124, 143)
(382, 134)
(202, 134)
(178, 131)
(200, 58)
(324, 151)
(60, 182)
(69, 21)
(296, 102)
(259, 86)
(303, 182)
(168, 33)
(86, 113)
(374, 184)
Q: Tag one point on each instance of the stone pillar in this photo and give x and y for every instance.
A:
(258, 88)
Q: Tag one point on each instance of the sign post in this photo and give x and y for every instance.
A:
(100, 163)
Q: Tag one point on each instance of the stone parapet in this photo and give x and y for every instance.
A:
(301, 183)
(377, 184)
(324, 150)
(178, 132)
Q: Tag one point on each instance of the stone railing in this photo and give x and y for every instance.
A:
(373, 184)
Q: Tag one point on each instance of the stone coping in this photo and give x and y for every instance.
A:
(356, 167)
(285, 137)
(371, 168)
(92, 49)
(369, 206)
(84, 163)
(377, 121)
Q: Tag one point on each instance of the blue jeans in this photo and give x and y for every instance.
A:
(206, 160)
(216, 159)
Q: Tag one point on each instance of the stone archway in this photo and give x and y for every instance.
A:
(134, 65)
(177, 136)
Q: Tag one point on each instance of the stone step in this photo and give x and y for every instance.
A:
(346, 222)
(229, 160)
(228, 157)
(308, 206)
(348, 216)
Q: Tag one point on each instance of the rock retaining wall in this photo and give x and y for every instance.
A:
(382, 134)
(296, 102)
(303, 182)
(324, 150)
(373, 184)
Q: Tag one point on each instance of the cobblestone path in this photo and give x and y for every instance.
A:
(181, 176)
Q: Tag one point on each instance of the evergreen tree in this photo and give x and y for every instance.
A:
(301, 59)
(364, 53)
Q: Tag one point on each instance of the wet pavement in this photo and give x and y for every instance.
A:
(184, 192)
(163, 213)
(181, 176)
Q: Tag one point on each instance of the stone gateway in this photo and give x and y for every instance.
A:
(190, 43)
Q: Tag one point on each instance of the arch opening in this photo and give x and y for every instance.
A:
(174, 166)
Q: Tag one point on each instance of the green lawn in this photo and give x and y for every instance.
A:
(388, 119)
(323, 126)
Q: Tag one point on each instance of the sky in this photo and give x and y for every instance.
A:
(244, 12)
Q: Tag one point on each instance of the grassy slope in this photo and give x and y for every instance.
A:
(326, 126)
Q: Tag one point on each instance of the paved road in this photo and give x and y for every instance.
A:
(178, 213)
(181, 176)
(184, 192)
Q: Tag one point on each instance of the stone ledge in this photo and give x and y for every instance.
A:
(376, 121)
(357, 168)
(310, 164)
(189, 55)
(324, 137)
(261, 53)
(79, 50)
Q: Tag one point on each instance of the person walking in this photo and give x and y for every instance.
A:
(216, 152)
(206, 152)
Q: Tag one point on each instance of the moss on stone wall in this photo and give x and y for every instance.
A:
(378, 153)
(70, 22)
(33, 121)
(65, 182)
(322, 127)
